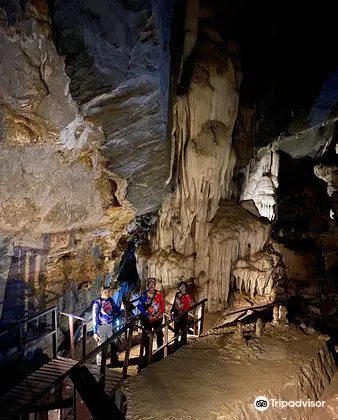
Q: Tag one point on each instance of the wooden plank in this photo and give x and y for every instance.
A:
(34, 386)
(97, 402)
(54, 366)
(14, 394)
(51, 373)
(60, 364)
(24, 399)
(4, 400)
(36, 378)
(52, 369)
(23, 387)
(64, 360)
(60, 367)
(41, 377)
(39, 385)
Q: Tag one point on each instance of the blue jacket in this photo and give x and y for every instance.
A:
(104, 312)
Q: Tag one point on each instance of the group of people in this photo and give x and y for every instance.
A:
(151, 307)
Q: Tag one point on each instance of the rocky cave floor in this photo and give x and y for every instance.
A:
(218, 377)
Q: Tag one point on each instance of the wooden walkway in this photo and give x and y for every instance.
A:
(112, 380)
(34, 387)
(56, 384)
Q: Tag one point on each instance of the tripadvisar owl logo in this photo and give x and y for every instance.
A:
(261, 403)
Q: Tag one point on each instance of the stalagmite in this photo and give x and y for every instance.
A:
(258, 274)
(259, 327)
(275, 315)
(200, 236)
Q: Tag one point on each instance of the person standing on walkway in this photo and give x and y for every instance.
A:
(105, 314)
(151, 307)
(181, 305)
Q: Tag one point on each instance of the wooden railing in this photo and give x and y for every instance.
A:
(20, 336)
(71, 320)
(103, 348)
(128, 329)
(198, 325)
(254, 311)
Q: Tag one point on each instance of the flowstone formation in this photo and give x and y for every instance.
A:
(201, 234)
(260, 274)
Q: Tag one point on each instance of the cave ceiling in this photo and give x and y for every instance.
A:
(288, 57)
(91, 81)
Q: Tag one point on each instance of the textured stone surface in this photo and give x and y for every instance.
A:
(202, 161)
(284, 364)
(113, 54)
(259, 274)
(199, 237)
(307, 141)
(261, 182)
(82, 117)
(41, 192)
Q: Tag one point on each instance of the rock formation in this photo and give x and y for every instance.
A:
(200, 234)
(261, 182)
(81, 94)
(259, 274)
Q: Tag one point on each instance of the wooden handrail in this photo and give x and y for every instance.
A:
(21, 346)
(71, 318)
(74, 316)
(99, 348)
(252, 308)
(25, 321)
(170, 321)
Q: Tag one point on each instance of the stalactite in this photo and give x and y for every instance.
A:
(262, 181)
(198, 237)
(258, 274)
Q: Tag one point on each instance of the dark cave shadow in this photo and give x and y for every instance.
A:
(26, 273)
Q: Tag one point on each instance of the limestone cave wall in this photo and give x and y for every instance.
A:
(83, 117)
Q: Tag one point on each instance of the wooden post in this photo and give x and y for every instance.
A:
(196, 322)
(126, 321)
(102, 377)
(201, 319)
(21, 350)
(55, 335)
(165, 352)
(127, 353)
(84, 339)
(150, 348)
(96, 400)
(71, 334)
(74, 402)
(140, 358)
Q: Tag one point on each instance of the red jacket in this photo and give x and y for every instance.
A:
(149, 305)
(182, 303)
